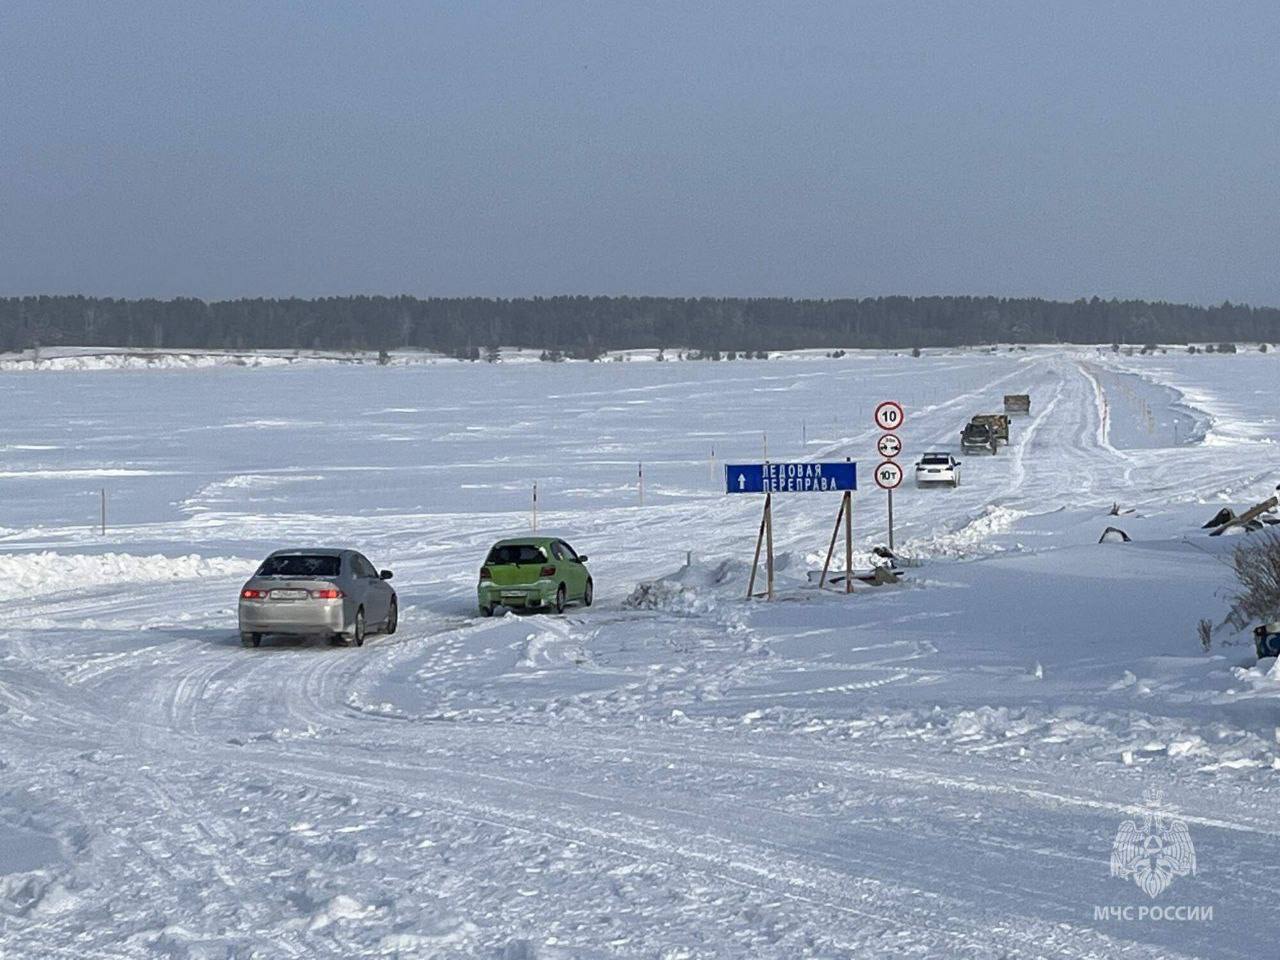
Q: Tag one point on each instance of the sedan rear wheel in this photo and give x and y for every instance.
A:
(357, 634)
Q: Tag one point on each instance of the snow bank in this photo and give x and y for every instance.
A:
(24, 575)
(702, 589)
(971, 537)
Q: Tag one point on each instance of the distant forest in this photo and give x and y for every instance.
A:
(588, 326)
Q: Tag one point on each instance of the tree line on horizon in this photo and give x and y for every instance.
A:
(587, 326)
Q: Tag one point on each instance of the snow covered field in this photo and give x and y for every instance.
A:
(934, 769)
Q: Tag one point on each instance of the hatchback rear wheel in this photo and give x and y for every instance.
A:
(589, 593)
(560, 599)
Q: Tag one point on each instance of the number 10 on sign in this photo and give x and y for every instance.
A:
(889, 415)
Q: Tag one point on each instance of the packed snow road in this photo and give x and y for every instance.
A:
(934, 769)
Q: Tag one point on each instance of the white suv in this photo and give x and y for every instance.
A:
(938, 468)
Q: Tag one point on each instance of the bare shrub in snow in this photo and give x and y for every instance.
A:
(1257, 566)
(1205, 630)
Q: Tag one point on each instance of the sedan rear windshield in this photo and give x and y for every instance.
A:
(936, 459)
(515, 553)
(299, 565)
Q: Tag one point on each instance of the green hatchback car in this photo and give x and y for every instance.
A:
(533, 573)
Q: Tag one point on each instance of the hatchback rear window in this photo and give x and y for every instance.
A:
(299, 565)
(516, 553)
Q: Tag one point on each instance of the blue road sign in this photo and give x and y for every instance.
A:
(802, 477)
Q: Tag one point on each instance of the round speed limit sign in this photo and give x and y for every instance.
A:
(889, 446)
(889, 415)
(888, 475)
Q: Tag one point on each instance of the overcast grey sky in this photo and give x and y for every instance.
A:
(801, 149)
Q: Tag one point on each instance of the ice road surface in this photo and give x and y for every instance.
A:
(933, 769)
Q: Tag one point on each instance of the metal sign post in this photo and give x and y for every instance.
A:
(889, 416)
(890, 492)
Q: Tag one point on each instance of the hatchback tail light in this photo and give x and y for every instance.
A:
(330, 594)
(247, 594)
(485, 574)
(547, 572)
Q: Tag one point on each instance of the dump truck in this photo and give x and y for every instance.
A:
(998, 422)
(977, 436)
(1017, 403)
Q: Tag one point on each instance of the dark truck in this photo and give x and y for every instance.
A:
(997, 422)
(977, 436)
(1017, 403)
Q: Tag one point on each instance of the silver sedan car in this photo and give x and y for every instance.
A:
(329, 593)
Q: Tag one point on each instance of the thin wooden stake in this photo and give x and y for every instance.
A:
(768, 533)
(848, 542)
(831, 547)
(755, 560)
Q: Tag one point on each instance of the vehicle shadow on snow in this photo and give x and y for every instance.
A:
(231, 640)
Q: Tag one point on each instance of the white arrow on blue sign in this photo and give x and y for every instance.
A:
(800, 477)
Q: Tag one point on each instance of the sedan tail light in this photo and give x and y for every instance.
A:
(328, 594)
(248, 594)
(547, 572)
(485, 574)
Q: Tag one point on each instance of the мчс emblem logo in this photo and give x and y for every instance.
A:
(1154, 850)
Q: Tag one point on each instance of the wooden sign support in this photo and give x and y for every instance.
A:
(1252, 513)
(765, 536)
(845, 514)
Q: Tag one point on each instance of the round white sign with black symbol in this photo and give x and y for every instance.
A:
(889, 446)
(888, 475)
(889, 415)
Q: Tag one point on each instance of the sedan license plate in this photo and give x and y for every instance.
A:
(288, 594)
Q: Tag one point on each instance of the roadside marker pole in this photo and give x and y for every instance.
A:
(640, 479)
(104, 511)
(535, 506)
